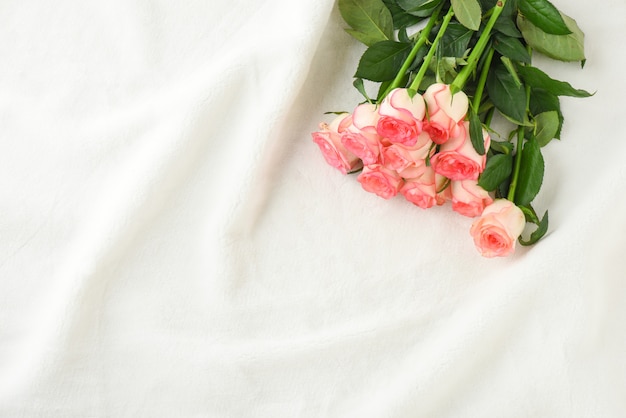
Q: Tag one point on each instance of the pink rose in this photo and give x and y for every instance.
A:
(364, 147)
(365, 118)
(422, 191)
(401, 117)
(445, 111)
(408, 161)
(358, 133)
(458, 160)
(468, 198)
(380, 180)
(335, 153)
(497, 229)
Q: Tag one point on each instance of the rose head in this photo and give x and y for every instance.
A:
(365, 118)
(445, 111)
(401, 117)
(364, 147)
(335, 153)
(380, 180)
(422, 191)
(497, 229)
(358, 133)
(468, 198)
(407, 161)
(458, 160)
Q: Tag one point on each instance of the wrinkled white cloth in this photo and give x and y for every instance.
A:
(172, 243)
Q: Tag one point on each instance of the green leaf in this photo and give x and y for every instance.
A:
(370, 20)
(467, 12)
(476, 131)
(358, 84)
(536, 78)
(530, 174)
(382, 61)
(542, 228)
(403, 36)
(455, 40)
(545, 16)
(498, 170)
(419, 58)
(485, 107)
(382, 90)
(508, 97)
(560, 47)
(511, 48)
(420, 8)
(542, 101)
(510, 67)
(401, 19)
(503, 189)
(445, 68)
(507, 27)
(530, 214)
(546, 127)
(501, 147)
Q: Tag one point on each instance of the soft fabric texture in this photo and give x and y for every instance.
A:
(173, 244)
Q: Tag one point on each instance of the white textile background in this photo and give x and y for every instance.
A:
(172, 243)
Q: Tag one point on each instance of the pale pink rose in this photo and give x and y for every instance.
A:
(408, 161)
(445, 112)
(329, 141)
(468, 198)
(421, 191)
(401, 117)
(458, 160)
(365, 117)
(380, 180)
(497, 229)
(359, 135)
(364, 147)
(398, 131)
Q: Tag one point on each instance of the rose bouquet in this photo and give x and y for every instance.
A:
(427, 133)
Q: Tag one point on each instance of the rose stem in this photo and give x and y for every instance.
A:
(423, 37)
(518, 163)
(480, 88)
(478, 49)
(520, 143)
(420, 75)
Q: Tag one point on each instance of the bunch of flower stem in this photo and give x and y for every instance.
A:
(463, 76)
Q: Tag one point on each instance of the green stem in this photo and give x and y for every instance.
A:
(423, 37)
(420, 75)
(482, 80)
(520, 143)
(518, 163)
(478, 49)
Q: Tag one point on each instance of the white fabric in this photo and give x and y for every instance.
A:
(172, 243)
